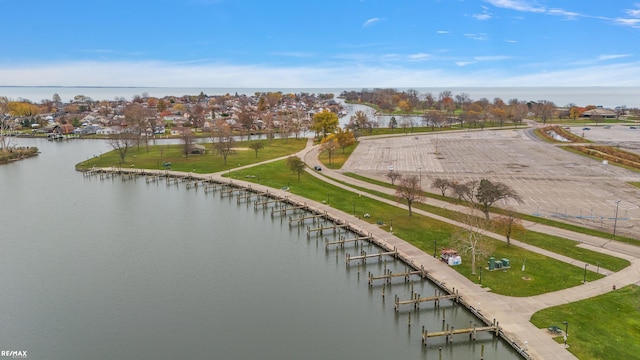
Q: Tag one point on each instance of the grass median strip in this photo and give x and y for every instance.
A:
(540, 274)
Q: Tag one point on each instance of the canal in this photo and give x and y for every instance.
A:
(106, 269)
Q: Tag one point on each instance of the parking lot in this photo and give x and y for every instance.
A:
(552, 182)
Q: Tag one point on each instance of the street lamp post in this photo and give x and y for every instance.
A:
(480, 267)
(420, 175)
(435, 246)
(566, 332)
(615, 220)
(584, 280)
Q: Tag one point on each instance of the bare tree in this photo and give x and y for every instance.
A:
(410, 190)
(329, 145)
(122, 142)
(223, 140)
(508, 226)
(464, 191)
(441, 184)
(487, 193)
(186, 136)
(468, 237)
(393, 176)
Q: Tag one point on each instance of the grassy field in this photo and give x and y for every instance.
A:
(211, 161)
(604, 327)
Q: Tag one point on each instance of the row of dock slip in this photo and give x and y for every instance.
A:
(324, 221)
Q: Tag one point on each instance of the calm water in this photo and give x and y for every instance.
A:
(561, 96)
(105, 269)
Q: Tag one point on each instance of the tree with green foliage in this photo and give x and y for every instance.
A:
(296, 165)
(257, 146)
(345, 138)
(325, 123)
(487, 193)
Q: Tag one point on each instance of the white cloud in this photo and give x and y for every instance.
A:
(486, 15)
(419, 56)
(370, 22)
(299, 54)
(491, 58)
(613, 56)
(442, 32)
(482, 16)
(464, 63)
(511, 41)
(479, 37)
(518, 5)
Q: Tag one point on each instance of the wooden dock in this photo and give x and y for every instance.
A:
(321, 229)
(416, 300)
(389, 275)
(343, 241)
(283, 211)
(364, 256)
(450, 332)
(300, 220)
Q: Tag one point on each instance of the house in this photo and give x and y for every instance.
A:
(111, 130)
(63, 129)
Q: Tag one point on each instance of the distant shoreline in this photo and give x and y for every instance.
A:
(608, 97)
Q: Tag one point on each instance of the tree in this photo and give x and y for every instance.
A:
(441, 184)
(464, 191)
(508, 226)
(487, 193)
(410, 190)
(393, 123)
(136, 116)
(329, 145)
(469, 239)
(121, 143)
(257, 146)
(186, 135)
(393, 176)
(359, 120)
(345, 138)
(325, 123)
(296, 165)
(222, 139)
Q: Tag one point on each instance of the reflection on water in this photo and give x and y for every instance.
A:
(106, 269)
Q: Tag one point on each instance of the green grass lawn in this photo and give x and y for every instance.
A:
(541, 274)
(211, 161)
(604, 327)
(339, 157)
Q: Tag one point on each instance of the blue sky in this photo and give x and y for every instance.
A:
(330, 43)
